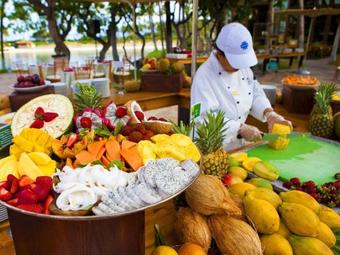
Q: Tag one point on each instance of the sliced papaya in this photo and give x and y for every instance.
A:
(95, 148)
(113, 150)
(101, 153)
(58, 148)
(69, 162)
(105, 161)
(68, 153)
(85, 157)
(132, 157)
(126, 144)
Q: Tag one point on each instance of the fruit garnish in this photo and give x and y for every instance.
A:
(38, 123)
(152, 118)
(140, 116)
(121, 111)
(39, 113)
(49, 116)
(162, 119)
(5, 195)
(72, 139)
(86, 122)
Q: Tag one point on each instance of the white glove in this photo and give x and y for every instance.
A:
(250, 133)
(273, 117)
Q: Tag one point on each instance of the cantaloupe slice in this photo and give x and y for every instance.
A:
(85, 157)
(69, 162)
(113, 150)
(126, 144)
(132, 157)
(95, 148)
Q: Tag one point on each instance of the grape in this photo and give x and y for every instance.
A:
(21, 78)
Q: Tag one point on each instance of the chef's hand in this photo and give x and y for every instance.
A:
(250, 133)
(273, 117)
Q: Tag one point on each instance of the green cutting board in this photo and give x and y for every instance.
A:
(306, 157)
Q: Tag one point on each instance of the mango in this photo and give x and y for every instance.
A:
(299, 197)
(15, 150)
(241, 188)
(23, 144)
(160, 138)
(275, 244)
(261, 183)
(233, 162)
(262, 214)
(283, 230)
(49, 169)
(329, 217)
(238, 171)
(266, 170)
(299, 219)
(9, 167)
(249, 163)
(326, 235)
(308, 246)
(267, 195)
(239, 156)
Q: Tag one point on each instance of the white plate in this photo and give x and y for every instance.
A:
(30, 89)
(7, 118)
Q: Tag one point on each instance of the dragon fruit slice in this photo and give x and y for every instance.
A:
(89, 119)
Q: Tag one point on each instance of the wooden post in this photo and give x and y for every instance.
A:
(311, 27)
(336, 43)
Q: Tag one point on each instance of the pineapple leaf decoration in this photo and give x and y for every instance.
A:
(209, 139)
(321, 118)
(88, 97)
(182, 128)
(211, 133)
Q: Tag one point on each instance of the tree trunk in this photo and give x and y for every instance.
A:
(270, 25)
(326, 29)
(60, 46)
(2, 10)
(103, 51)
(168, 29)
(336, 43)
(301, 37)
(161, 25)
(152, 28)
(114, 40)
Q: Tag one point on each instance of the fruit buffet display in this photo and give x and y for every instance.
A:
(103, 159)
(300, 80)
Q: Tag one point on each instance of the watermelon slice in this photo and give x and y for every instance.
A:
(52, 103)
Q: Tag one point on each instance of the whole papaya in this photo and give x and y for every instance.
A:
(308, 245)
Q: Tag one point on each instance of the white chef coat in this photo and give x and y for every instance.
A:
(237, 94)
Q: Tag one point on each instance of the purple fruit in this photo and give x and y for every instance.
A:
(21, 78)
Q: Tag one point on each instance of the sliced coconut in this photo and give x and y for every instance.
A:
(50, 103)
(132, 106)
(158, 126)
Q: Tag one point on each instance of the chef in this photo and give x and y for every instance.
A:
(226, 82)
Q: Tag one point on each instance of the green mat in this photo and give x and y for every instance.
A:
(306, 158)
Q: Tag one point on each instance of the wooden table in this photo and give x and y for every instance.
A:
(164, 214)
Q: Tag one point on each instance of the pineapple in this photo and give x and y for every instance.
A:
(210, 136)
(321, 119)
(87, 98)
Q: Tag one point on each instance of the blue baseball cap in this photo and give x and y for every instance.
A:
(236, 43)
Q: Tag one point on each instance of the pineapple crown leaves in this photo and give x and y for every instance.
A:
(323, 96)
(182, 128)
(88, 97)
(211, 133)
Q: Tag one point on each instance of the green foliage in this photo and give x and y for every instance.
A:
(157, 54)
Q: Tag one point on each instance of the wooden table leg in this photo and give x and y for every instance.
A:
(301, 61)
(290, 61)
(41, 236)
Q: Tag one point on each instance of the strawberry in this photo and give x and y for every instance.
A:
(72, 139)
(149, 133)
(25, 181)
(310, 184)
(15, 186)
(136, 136)
(5, 195)
(27, 196)
(49, 116)
(86, 122)
(121, 111)
(42, 192)
(140, 116)
(32, 208)
(38, 123)
(13, 202)
(5, 184)
(38, 114)
(47, 203)
(140, 128)
(162, 119)
(44, 181)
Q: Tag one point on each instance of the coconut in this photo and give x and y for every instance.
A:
(133, 108)
(158, 126)
(234, 236)
(191, 227)
(208, 196)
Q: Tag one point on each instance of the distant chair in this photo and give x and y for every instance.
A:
(20, 69)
